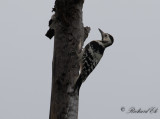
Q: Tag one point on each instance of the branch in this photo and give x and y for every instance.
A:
(51, 32)
(86, 32)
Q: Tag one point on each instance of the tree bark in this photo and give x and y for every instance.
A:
(68, 40)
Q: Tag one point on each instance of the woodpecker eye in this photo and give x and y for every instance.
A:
(106, 35)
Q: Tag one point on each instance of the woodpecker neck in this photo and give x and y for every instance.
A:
(106, 43)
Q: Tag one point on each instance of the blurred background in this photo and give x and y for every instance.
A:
(127, 76)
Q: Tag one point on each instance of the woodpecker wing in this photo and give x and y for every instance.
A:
(91, 57)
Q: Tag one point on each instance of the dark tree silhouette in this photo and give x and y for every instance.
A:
(69, 36)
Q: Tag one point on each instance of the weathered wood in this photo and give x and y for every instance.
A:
(68, 40)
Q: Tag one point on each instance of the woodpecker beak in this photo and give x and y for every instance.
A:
(101, 32)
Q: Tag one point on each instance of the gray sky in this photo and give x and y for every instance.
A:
(128, 74)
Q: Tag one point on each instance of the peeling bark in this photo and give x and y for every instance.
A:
(69, 35)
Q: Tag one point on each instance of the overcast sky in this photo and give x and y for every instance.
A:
(127, 76)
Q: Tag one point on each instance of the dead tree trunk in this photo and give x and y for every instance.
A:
(69, 36)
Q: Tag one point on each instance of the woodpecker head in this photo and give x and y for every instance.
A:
(107, 39)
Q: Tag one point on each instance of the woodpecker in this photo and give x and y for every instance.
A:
(91, 55)
(50, 33)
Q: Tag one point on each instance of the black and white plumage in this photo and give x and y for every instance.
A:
(50, 33)
(91, 55)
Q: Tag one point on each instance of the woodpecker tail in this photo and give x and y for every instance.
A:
(79, 83)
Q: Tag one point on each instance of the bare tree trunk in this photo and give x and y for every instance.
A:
(69, 37)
